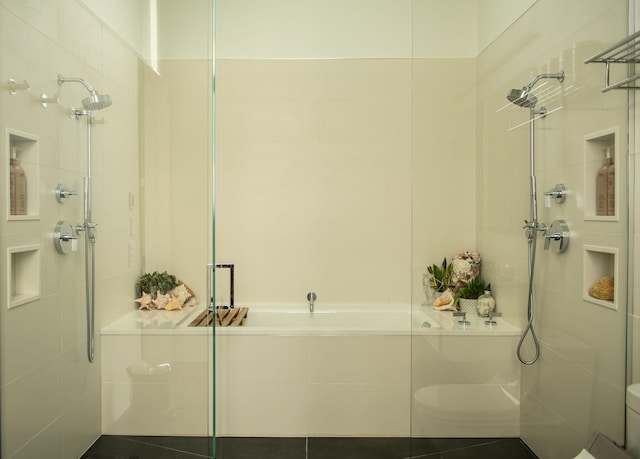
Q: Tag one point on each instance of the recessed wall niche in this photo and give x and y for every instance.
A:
(600, 262)
(597, 206)
(23, 175)
(23, 275)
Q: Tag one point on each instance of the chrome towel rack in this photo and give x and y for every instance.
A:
(625, 51)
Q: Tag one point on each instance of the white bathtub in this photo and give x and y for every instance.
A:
(334, 320)
(289, 372)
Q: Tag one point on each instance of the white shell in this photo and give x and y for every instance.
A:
(145, 301)
(161, 300)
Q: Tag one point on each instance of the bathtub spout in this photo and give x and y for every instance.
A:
(311, 298)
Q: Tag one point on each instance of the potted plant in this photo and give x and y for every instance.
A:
(436, 280)
(440, 276)
(467, 295)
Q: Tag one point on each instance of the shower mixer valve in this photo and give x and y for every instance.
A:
(557, 237)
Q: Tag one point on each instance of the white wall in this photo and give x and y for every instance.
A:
(51, 395)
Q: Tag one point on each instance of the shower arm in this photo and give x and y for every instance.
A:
(558, 76)
(62, 80)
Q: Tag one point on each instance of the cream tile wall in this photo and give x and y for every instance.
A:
(51, 395)
(313, 163)
(578, 384)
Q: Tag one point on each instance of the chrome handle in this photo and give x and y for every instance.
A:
(559, 193)
(63, 193)
(464, 320)
(210, 285)
(63, 238)
(492, 322)
(558, 237)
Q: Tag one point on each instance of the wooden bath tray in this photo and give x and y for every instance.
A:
(224, 318)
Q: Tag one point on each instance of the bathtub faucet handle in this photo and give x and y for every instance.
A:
(492, 322)
(464, 320)
(311, 298)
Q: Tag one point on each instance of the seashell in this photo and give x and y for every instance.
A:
(161, 300)
(445, 301)
(145, 301)
(174, 304)
(181, 293)
(192, 301)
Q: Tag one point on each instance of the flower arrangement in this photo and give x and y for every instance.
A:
(455, 280)
(465, 266)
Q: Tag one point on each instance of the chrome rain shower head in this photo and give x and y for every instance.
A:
(524, 98)
(95, 101)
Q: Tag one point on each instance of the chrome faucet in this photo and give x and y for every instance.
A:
(311, 298)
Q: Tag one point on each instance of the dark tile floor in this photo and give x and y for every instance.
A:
(137, 447)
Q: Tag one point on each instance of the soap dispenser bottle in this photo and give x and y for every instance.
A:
(611, 185)
(18, 185)
(602, 199)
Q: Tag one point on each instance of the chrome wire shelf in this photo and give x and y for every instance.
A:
(626, 51)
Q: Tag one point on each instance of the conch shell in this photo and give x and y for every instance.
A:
(181, 293)
(445, 301)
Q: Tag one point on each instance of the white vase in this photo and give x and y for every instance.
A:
(486, 304)
(468, 305)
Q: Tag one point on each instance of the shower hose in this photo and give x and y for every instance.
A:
(530, 302)
(90, 291)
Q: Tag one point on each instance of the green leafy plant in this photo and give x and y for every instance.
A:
(153, 282)
(440, 279)
(472, 289)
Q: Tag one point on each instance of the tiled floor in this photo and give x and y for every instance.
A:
(125, 447)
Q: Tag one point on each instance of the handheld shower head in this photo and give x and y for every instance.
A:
(524, 98)
(95, 101)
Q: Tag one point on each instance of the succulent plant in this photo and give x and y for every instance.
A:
(473, 289)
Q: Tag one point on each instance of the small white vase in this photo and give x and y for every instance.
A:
(468, 305)
(486, 304)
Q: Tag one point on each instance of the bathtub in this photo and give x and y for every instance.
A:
(339, 371)
(297, 320)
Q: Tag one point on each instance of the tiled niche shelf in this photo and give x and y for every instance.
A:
(594, 146)
(26, 147)
(23, 275)
(599, 262)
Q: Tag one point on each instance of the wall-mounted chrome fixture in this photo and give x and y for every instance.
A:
(311, 298)
(46, 100)
(559, 193)
(625, 51)
(557, 237)
(14, 86)
(64, 239)
(62, 193)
